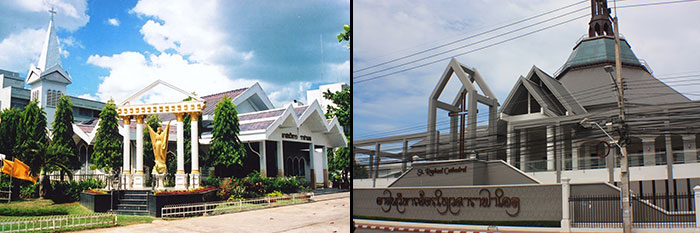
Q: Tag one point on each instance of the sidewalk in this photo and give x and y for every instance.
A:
(329, 213)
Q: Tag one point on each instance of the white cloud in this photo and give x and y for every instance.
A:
(24, 48)
(113, 22)
(338, 71)
(131, 71)
(284, 94)
(87, 96)
(201, 35)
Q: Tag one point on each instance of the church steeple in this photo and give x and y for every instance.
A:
(600, 24)
(50, 55)
(50, 59)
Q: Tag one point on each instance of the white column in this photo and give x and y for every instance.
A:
(324, 155)
(194, 140)
(126, 166)
(180, 174)
(523, 150)
(263, 158)
(509, 147)
(139, 177)
(550, 148)
(689, 148)
(280, 159)
(696, 190)
(649, 151)
(312, 168)
(565, 193)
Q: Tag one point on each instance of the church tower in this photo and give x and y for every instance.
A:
(47, 79)
(600, 24)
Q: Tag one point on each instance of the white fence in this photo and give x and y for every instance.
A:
(220, 207)
(55, 223)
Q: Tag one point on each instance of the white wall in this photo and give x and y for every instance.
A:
(367, 183)
(318, 94)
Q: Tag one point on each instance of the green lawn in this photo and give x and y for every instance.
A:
(41, 207)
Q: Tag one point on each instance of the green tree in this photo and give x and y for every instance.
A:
(226, 148)
(62, 134)
(108, 142)
(148, 156)
(340, 161)
(36, 150)
(10, 128)
(345, 36)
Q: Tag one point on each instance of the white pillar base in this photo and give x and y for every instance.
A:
(180, 181)
(194, 180)
(138, 181)
(160, 181)
(126, 181)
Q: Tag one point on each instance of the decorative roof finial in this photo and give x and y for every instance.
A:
(600, 24)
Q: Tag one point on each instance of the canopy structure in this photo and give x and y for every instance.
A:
(138, 112)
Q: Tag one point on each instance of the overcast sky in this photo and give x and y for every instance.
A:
(666, 36)
(115, 48)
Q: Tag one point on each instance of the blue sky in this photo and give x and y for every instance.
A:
(397, 104)
(114, 48)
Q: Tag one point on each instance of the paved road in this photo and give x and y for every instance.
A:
(330, 213)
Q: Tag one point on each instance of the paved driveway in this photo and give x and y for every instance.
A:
(330, 213)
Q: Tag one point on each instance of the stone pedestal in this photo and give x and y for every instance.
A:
(194, 180)
(139, 181)
(180, 181)
(126, 180)
(160, 181)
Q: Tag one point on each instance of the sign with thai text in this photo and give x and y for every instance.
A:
(294, 136)
(487, 198)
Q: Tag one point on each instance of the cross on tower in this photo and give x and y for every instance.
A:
(52, 12)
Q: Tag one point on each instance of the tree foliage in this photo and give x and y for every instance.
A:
(62, 134)
(345, 36)
(33, 137)
(226, 148)
(108, 142)
(341, 160)
(10, 129)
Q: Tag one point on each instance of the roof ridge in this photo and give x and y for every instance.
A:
(243, 88)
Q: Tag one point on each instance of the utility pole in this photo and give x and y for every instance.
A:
(624, 163)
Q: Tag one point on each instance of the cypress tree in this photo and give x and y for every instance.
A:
(226, 147)
(108, 141)
(62, 134)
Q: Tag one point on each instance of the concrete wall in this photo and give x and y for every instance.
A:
(367, 183)
(478, 203)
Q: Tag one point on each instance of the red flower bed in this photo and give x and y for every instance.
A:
(190, 191)
(95, 191)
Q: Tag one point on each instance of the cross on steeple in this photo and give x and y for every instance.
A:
(52, 12)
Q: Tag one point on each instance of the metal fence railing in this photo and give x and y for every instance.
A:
(220, 207)
(56, 223)
(649, 211)
(79, 177)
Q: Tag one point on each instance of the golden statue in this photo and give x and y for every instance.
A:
(160, 148)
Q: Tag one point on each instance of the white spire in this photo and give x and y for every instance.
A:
(50, 59)
(50, 55)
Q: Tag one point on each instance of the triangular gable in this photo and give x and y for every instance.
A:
(314, 112)
(334, 128)
(255, 90)
(154, 84)
(526, 86)
(287, 119)
(560, 92)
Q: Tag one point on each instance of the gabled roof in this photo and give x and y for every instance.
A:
(213, 99)
(554, 98)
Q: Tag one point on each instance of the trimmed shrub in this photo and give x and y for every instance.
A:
(254, 185)
(69, 191)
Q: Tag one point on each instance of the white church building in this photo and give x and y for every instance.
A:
(291, 140)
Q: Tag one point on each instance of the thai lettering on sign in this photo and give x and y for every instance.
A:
(451, 204)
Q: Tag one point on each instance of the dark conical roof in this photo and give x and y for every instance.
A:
(599, 50)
